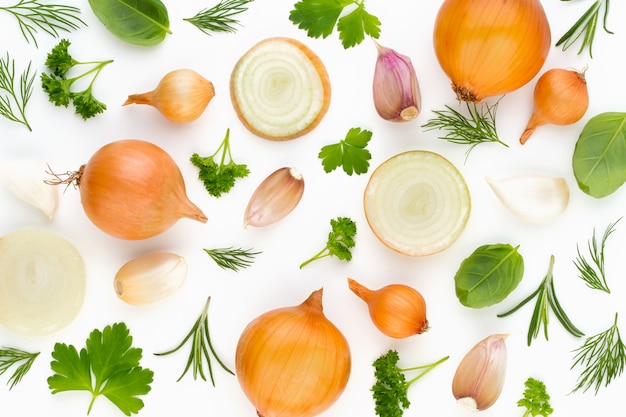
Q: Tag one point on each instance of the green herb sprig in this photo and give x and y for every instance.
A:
(546, 300)
(13, 357)
(219, 18)
(349, 153)
(13, 103)
(603, 357)
(536, 399)
(201, 348)
(232, 258)
(339, 243)
(595, 277)
(50, 18)
(586, 27)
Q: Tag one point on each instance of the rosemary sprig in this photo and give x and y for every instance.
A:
(51, 18)
(10, 357)
(595, 277)
(232, 258)
(201, 348)
(586, 27)
(13, 103)
(546, 300)
(478, 127)
(219, 18)
(602, 357)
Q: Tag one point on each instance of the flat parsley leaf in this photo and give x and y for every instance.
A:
(350, 153)
(107, 366)
(319, 18)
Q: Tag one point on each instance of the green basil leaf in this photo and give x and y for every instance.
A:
(599, 159)
(139, 22)
(488, 275)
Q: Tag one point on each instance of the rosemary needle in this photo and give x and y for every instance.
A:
(232, 258)
(13, 103)
(219, 18)
(595, 277)
(586, 27)
(12, 357)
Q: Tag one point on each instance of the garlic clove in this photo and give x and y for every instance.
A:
(26, 178)
(275, 197)
(534, 198)
(151, 277)
(397, 96)
(479, 378)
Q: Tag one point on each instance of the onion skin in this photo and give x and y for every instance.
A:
(560, 98)
(181, 96)
(292, 361)
(490, 47)
(132, 189)
(397, 310)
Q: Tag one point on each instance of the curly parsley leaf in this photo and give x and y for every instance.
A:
(107, 366)
(319, 18)
(349, 153)
(219, 176)
(340, 241)
(536, 399)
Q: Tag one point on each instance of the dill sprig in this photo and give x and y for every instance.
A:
(201, 348)
(595, 277)
(546, 300)
(219, 18)
(586, 27)
(232, 258)
(13, 104)
(51, 18)
(602, 357)
(10, 357)
(477, 127)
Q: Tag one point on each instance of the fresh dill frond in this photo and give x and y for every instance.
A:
(23, 360)
(13, 104)
(219, 18)
(594, 275)
(232, 258)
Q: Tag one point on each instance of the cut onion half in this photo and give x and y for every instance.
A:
(42, 282)
(417, 203)
(280, 89)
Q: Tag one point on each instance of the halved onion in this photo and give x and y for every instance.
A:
(417, 203)
(280, 89)
(42, 282)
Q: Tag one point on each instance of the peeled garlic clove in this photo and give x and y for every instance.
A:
(535, 198)
(397, 96)
(275, 197)
(479, 378)
(150, 277)
(26, 180)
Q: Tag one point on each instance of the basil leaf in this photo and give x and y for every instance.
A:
(599, 159)
(488, 275)
(139, 22)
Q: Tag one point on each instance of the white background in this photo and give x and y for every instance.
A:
(65, 141)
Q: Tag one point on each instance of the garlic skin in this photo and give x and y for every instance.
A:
(535, 198)
(397, 96)
(150, 278)
(479, 378)
(274, 198)
(26, 178)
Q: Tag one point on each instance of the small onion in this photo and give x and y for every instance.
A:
(397, 310)
(490, 47)
(181, 96)
(132, 189)
(292, 361)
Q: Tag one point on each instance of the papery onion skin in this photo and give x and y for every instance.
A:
(132, 189)
(397, 310)
(181, 96)
(292, 361)
(490, 47)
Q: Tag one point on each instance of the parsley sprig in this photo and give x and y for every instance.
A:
(595, 277)
(51, 18)
(546, 300)
(219, 176)
(602, 356)
(349, 153)
(58, 84)
(586, 27)
(232, 258)
(536, 399)
(219, 18)
(340, 241)
(13, 103)
(390, 391)
(108, 365)
(20, 359)
(320, 17)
